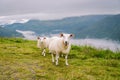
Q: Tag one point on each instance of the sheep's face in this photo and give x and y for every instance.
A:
(66, 38)
(42, 39)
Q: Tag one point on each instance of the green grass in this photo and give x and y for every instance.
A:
(22, 60)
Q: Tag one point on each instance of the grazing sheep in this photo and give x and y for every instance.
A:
(43, 43)
(60, 45)
(38, 42)
(48, 40)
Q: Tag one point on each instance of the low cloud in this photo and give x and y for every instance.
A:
(97, 43)
(30, 35)
(26, 17)
(12, 19)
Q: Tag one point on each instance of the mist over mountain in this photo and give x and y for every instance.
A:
(92, 26)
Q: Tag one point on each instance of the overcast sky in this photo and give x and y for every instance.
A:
(50, 9)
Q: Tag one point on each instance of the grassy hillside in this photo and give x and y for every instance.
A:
(22, 60)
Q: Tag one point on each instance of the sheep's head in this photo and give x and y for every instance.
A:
(66, 38)
(42, 39)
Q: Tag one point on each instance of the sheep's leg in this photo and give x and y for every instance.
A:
(44, 51)
(66, 61)
(52, 57)
(57, 56)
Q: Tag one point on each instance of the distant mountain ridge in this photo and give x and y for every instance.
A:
(108, 27)
(93, 26)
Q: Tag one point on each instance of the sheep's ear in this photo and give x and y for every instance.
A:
(38, 37)
(71, 35)
(61, 35)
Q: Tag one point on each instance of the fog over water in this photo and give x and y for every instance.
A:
(97, 43)
(30, 35)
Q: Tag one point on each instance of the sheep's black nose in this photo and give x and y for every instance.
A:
(66, 42)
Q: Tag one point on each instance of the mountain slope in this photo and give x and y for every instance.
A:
(93, 26)
(4, 32)
(70, 24)
(108, 27)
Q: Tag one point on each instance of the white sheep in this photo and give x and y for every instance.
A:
(60, 45)
(38, 42)
(43, 43)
